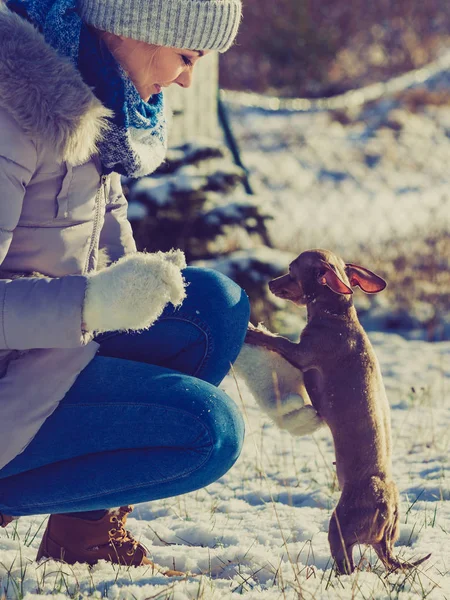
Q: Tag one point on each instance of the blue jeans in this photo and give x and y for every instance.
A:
(144, 420)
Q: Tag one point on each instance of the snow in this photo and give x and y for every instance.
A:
(236, 209)
(384, 175)
(160, 191)
(261, 530)
(188, 179)
(247, 261)
(137, 211)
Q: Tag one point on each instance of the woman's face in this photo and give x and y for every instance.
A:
(151, 67)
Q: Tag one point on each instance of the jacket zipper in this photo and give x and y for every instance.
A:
(98, 206)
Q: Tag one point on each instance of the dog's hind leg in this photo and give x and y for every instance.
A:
(385, 546)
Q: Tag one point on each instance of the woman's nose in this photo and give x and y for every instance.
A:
(185, 79)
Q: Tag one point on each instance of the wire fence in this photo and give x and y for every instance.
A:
(352, 98)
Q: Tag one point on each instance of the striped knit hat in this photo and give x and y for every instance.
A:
(190, 24)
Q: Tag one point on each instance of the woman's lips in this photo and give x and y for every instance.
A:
(158, 88)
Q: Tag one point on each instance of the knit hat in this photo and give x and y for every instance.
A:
(190, 24)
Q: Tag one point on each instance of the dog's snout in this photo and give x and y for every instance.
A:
(287, 288)
(280, 283)
(272, 285)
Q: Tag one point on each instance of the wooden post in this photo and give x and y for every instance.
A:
(195, 108)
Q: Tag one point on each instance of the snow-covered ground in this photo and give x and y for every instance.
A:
(261, 531)
(382, 176)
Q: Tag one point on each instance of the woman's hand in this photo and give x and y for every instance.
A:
(133, 292)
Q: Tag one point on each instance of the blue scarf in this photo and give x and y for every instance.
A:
(136, 140)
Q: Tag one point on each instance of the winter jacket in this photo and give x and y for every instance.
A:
(58, 214)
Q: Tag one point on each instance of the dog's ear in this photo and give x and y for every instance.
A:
(365, 279)
(333, 281)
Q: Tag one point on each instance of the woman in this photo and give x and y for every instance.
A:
(108, 374)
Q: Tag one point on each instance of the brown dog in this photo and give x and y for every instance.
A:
(343, 379)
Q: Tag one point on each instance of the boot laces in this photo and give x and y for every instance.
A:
(119, 535)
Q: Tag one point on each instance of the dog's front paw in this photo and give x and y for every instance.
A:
(255, 337)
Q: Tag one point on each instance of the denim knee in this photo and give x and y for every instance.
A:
(227, 430)
(220, 310)
(222, 296)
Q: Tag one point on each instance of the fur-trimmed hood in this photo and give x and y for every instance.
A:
(45, 94)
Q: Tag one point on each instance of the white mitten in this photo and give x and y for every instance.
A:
(278, 388)
(174, 256)
(132, 293)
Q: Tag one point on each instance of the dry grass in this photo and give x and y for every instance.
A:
(302, 48)
(415, 100)
(418, 274)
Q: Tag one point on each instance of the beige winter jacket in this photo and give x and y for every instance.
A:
(56, 211)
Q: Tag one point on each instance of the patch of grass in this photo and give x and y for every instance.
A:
(418, 273)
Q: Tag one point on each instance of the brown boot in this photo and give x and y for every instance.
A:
(5, 519)
(71, 539)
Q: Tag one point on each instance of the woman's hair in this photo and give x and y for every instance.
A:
(122, 52)
(114, 42)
